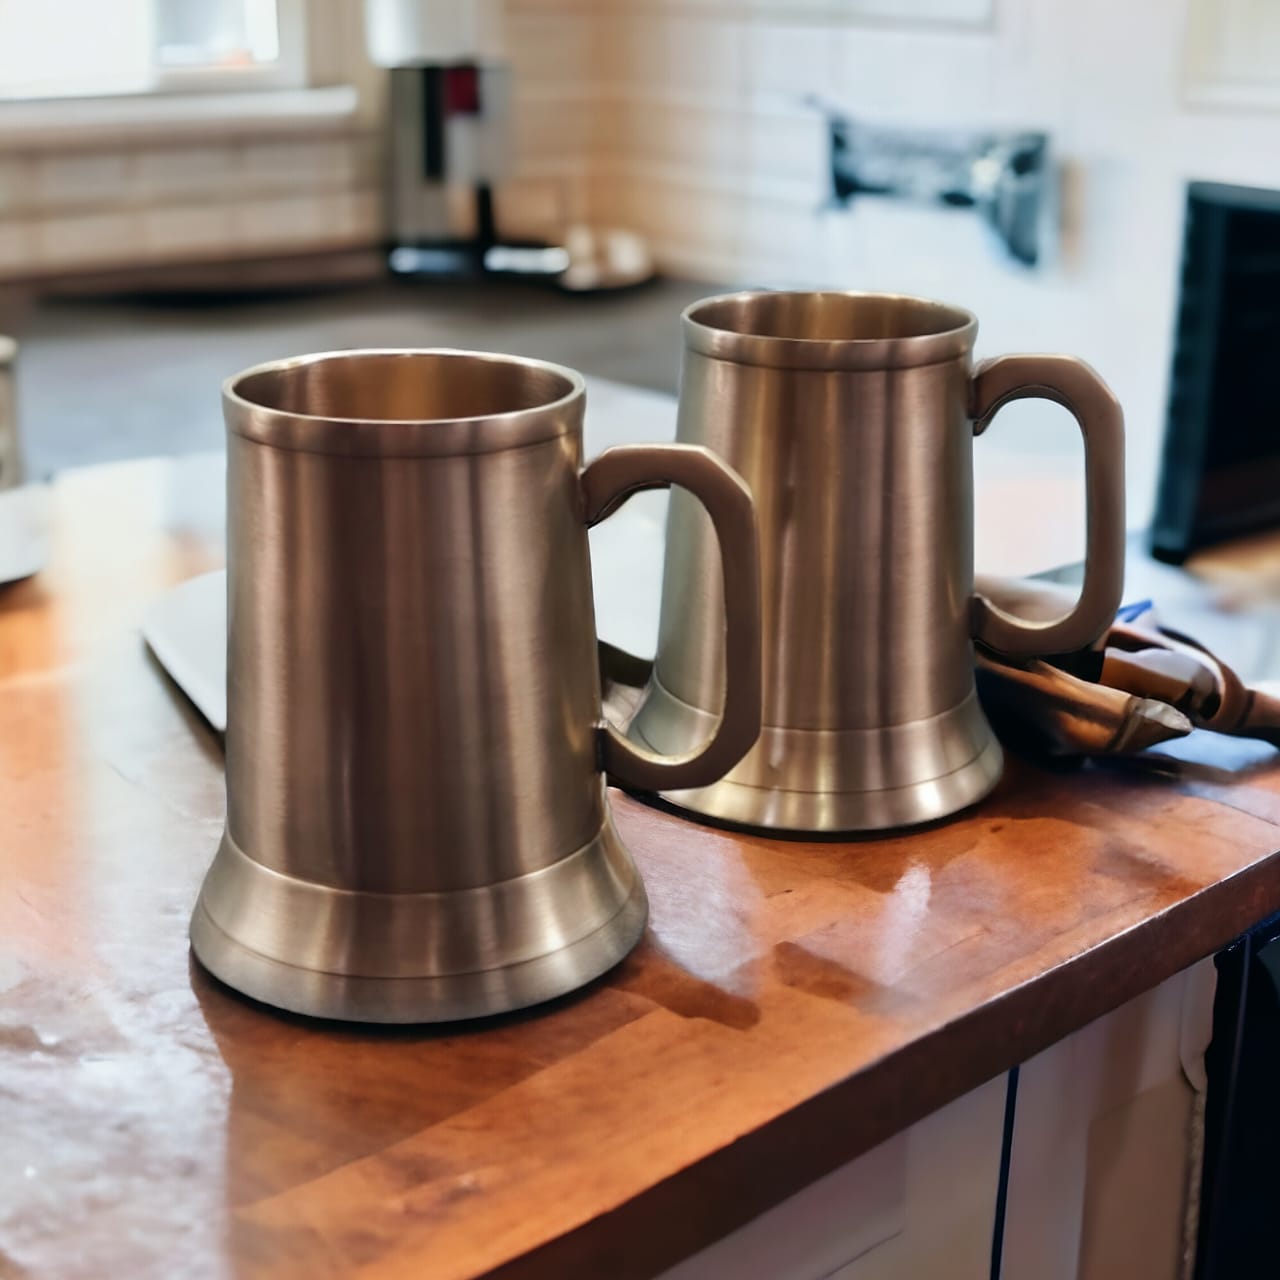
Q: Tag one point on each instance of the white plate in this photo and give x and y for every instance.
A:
(24, 531)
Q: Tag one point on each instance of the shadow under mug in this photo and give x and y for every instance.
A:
(417, 822)
(851, 416)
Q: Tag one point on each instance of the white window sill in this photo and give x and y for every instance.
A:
(82, 123)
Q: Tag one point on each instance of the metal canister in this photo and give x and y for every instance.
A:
(10, 454)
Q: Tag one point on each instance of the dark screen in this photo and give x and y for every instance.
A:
(1222, 450)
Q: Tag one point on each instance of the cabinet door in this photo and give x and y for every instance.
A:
(921, 1204)
(1239, 1228)
(1104, 1157)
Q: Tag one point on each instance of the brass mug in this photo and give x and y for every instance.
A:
(417, 825)
(851, 417)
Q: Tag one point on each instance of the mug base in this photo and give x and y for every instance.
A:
(832, 781)
(382, 957)
(834, 813)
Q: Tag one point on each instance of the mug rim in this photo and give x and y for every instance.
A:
(403, 437)
(779, 351)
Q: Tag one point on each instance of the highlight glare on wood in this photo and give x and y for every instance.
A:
(791, 1005)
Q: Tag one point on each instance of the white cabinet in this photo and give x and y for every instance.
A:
(1104, 1162)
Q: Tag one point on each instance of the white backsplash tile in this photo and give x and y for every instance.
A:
(790, 144)
(790, 62)
(550, 128)
(360, 217)
(17, 247)
(327, 163)
(105, 179)
(297, 222)
(17, 181)
(178, 231)
(549, 48)
(706, 55)
(88, 240)
(164, 173)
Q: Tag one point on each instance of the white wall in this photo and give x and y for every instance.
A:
(685, 115)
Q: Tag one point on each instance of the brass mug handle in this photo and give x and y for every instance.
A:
(607, 482)
(1074, 385)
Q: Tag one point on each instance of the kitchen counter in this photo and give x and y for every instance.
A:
(791, 1005)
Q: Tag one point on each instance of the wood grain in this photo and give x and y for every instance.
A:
(791, 1004)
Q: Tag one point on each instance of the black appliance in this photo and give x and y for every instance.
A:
(1239, 1226)
(1220, 476)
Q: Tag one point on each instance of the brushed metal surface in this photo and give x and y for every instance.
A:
(10, 453)
(415, 744)
(851, 417)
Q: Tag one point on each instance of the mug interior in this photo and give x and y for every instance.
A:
(403, 386)
(829, 317)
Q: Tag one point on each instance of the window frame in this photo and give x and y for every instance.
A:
(289, 71)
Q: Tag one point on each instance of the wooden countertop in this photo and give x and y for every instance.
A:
(791, 1005)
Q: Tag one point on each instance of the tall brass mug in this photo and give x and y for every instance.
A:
(417, 823)
(851, 417)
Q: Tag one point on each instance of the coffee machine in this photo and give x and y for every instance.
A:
(449, 147)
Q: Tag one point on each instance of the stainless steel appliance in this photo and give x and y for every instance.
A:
(851, 416)
(417, 826)
(450, 148)
(10, 454)
(449, 132)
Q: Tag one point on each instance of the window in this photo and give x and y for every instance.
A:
(85, 48)
(1232, 56)
(934, 13)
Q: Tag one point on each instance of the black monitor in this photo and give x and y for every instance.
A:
(1220, 476)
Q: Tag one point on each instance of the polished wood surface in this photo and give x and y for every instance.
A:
(791, 1004)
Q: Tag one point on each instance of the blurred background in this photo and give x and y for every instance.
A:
(191, 186)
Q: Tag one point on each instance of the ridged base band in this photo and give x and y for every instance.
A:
(534, 938)
(848, 780)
